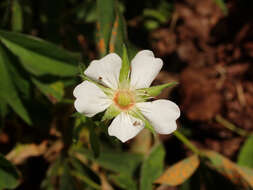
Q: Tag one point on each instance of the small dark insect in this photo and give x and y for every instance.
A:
(100, 78)
(136, 123)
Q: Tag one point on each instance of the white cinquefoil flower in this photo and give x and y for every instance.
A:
(112, 86)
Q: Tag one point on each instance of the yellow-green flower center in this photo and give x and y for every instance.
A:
(124, 99)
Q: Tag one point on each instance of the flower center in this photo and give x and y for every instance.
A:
(124, 99)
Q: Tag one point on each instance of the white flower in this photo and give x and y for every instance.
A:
(126, 99)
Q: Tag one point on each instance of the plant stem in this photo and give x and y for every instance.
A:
(230, 126)
(187, 142)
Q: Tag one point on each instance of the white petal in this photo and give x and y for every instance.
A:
(125, 127)
(162, 115)
(105, 70)
(90, 99)
(144, 69)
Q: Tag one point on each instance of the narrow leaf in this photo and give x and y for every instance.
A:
(53, 91)
(8, 90)
(119, 34)
(8, 174)
(117, 161)
(245, 157)
(124, 181)
(17, 16)
(152, 167)
(94, 141)
(106, 16)
(40, 57)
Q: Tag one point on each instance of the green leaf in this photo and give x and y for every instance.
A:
(152, 167)
(94, 141)
(19, 78)
(124, 181)
(8, 174)
(119, 34)
(85, 174)
(179, 172)
(54, 91)
(40, 57)
(106, 16)
(8, 90)
(52, 172)
(125, 68)
(3, 111)
(66, 180)
(245, 157)
(122, 162)
(17, 16)
(155, 90)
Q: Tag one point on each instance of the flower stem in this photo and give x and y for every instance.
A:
(230, 126)
(187, 142)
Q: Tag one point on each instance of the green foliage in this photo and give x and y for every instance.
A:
(79, 151)
(117, 161)
(124, 181)
(8, 174)
(8, 90)
(106, 16)
(17, 16)
(40, 57)
(152, 167)
(246, 153)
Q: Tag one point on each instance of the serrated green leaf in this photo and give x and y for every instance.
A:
(17, 16)
(152, 167)
(8, 174)
(245, 157)
(155, 90)
(8, 90)
(40, 57)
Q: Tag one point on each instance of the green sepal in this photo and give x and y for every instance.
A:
(155, 90)
(125, 68)
(109, 92)
(137, 114)
(110, 113)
